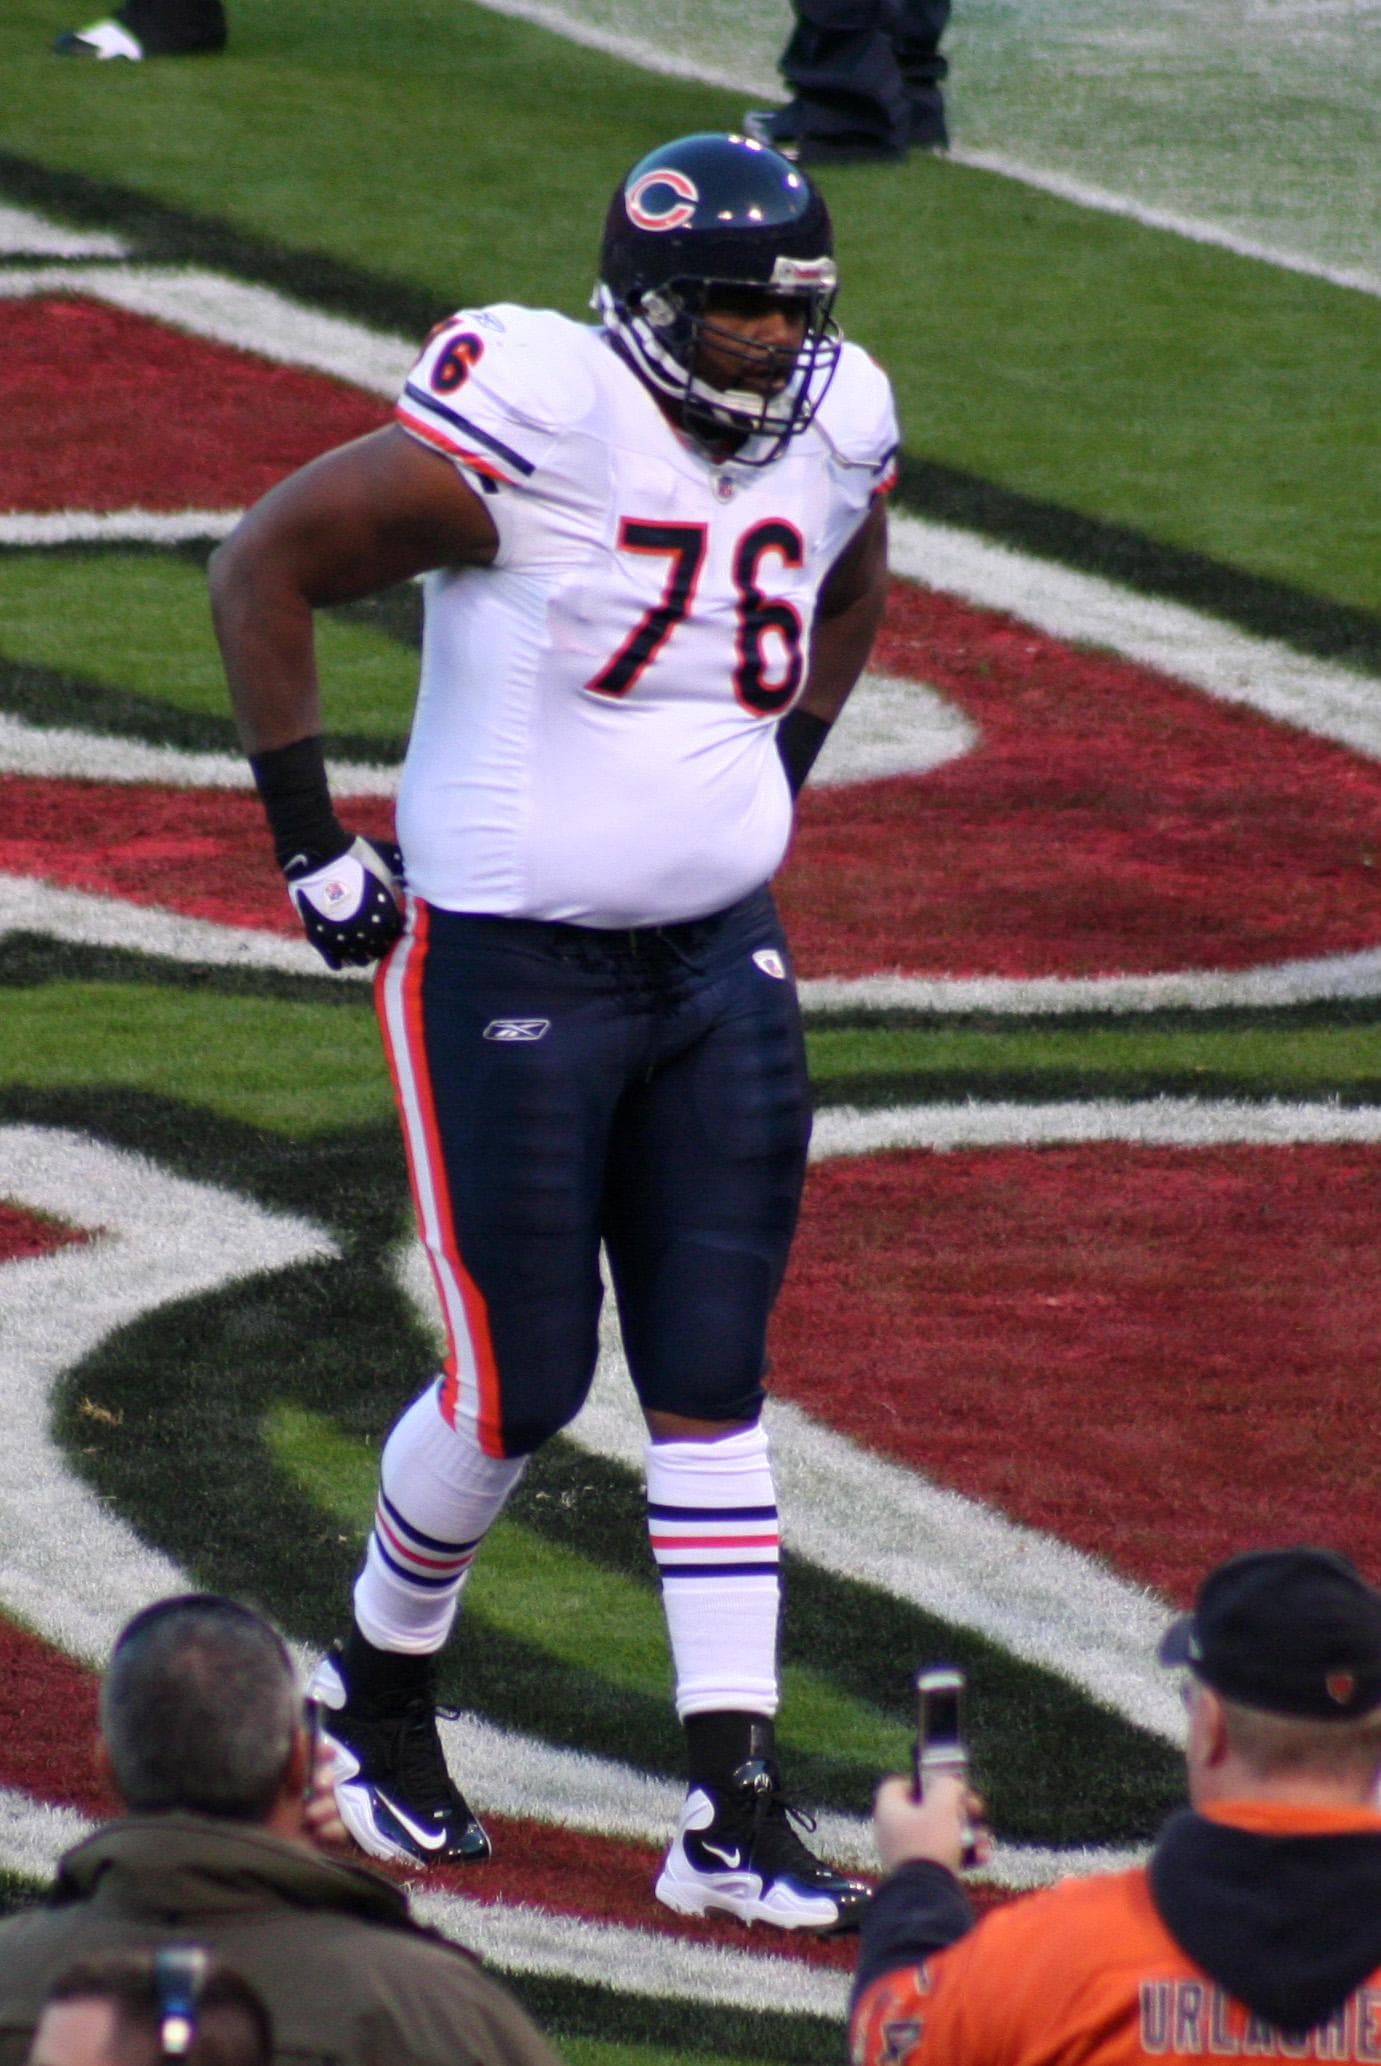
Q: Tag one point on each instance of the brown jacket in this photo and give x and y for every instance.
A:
(348, 1979)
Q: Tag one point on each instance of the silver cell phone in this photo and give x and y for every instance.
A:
(940, 1745)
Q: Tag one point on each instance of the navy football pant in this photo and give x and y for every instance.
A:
(560, 1086)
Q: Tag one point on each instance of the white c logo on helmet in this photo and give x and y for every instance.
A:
(673, 218)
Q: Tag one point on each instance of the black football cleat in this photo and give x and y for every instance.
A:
(736, 1853)
(393, 1790)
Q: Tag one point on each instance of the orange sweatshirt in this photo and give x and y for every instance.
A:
(1253, 1933)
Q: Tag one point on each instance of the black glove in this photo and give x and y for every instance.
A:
(351, 908)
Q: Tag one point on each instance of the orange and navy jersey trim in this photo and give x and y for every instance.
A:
(470, 1384)
(461, 436)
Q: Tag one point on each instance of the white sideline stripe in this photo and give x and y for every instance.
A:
(1103, 201)
(70, 1566)
(767, 87)
(66, 755)
(1231, 666)
(116, 526)
(26, 235)
(252, 319)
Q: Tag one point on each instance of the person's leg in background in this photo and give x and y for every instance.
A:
(151, 28)
(848, 100)
(865, 78)
(918, 28)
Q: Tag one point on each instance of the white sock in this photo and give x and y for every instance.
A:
(712, 1520)
(439, 1494)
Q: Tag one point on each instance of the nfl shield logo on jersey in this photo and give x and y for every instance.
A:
(771, 963)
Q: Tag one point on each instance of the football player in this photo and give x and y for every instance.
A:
(655, 560)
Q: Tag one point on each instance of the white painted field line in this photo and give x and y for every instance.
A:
(67, 1564)
(117, 527)
(520, 1939)
(1195, 230)
(1274, 985)
(84, 919)
(26, 235)
(252, 319)
(1163, 1122)
(535, 1940)
(62, 754)
(1232, 666)
(864, 1518)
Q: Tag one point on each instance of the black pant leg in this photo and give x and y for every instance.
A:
(843, 71)
(917, 29)
(175, 28)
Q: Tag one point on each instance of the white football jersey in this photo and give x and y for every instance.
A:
(594, 736)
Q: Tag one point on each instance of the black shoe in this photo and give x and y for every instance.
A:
(736, 1852)
(787, 129)
(392, 1788)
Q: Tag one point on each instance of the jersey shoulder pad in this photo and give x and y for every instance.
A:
(858, 417)
(494, 387)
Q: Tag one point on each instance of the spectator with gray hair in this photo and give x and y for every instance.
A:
(204, 1740)
(142, 2008)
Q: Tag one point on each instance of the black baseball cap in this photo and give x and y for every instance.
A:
(1290, 1631)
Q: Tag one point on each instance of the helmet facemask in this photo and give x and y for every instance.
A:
(715, 225)
(669, 330)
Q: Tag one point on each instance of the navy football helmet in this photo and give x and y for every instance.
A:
(697, 222)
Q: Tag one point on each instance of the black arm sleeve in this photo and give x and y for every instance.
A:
(291, 781)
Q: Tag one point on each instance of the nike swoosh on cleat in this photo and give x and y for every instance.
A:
(430, 1839)
(733, 1859)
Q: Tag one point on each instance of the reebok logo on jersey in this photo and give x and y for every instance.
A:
(771, 963)
(516, 1029)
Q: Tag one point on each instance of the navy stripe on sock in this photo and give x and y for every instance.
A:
(432, 1542)
(411, 1577)
(657, 1512)
(719, 1570)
